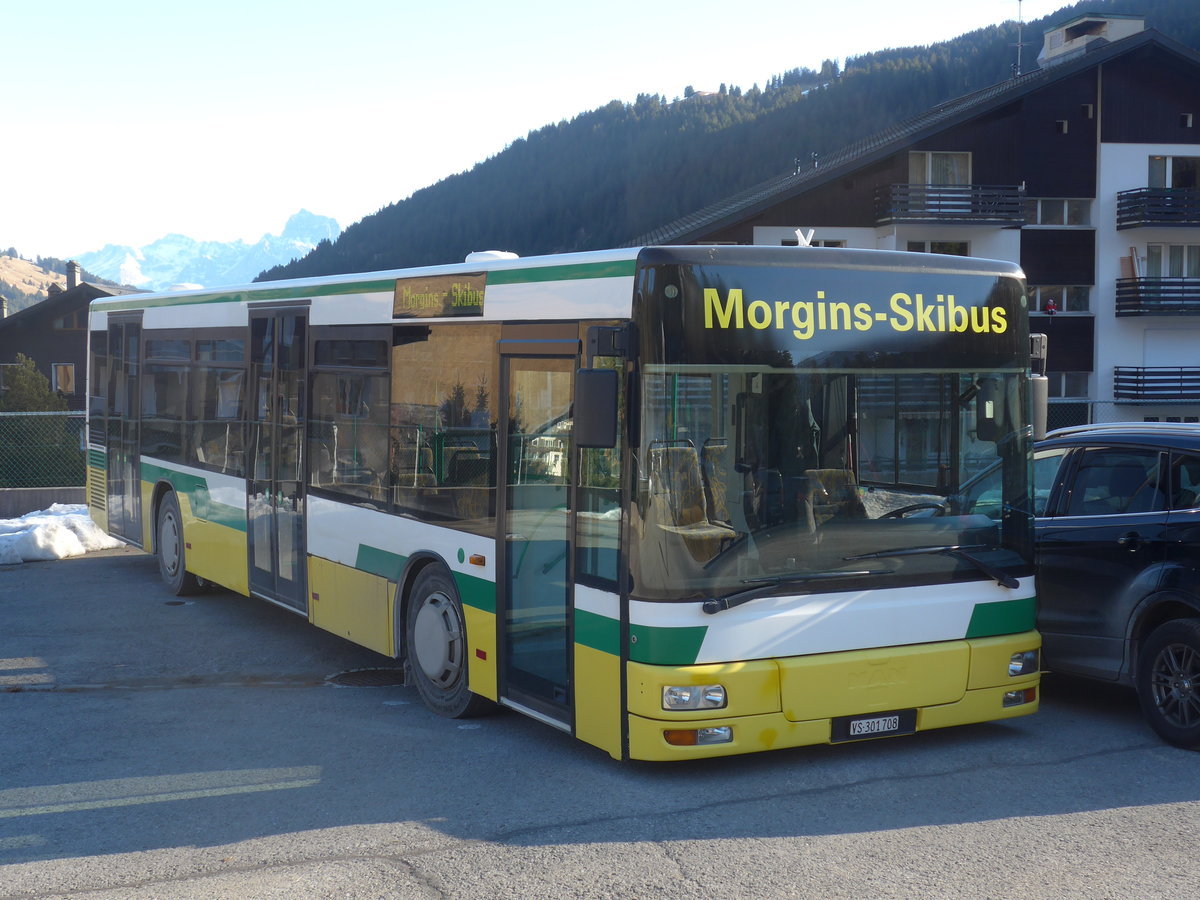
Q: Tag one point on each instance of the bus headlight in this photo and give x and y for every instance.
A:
(1025, 663)
(707, 696)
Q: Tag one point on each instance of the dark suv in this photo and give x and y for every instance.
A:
(1118, 552)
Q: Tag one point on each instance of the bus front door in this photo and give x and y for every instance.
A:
(275, 482)
(124, 409)
(533, 602)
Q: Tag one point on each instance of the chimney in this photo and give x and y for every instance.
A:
(72, 274)
(3, 307)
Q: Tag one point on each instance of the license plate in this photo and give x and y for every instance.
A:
(886, 724)
(882, 725)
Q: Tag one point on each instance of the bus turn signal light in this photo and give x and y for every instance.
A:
(695, 737)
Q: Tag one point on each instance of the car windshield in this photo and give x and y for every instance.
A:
(751, 476)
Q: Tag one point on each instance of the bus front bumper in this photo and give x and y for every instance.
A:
(832, 697)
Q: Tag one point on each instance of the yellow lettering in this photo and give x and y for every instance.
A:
(999, 320)
(731, 313)
(802, 318)
(958, 317)
(902, 320)
(842, 308)
(758, 314)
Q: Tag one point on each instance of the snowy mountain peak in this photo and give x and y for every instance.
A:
(175, 258)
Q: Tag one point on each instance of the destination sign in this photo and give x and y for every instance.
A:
(439, 296)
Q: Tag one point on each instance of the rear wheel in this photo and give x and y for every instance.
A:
(169, 547)
(437, 647)
(1168, 682)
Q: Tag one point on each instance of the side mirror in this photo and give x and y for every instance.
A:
(596, 408)
(989, 410)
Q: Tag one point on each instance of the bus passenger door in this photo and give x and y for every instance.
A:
(123, 413)
(275, 476)
(533, 589)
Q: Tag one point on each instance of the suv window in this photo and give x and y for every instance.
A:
(1113, 481)
(1185, 481)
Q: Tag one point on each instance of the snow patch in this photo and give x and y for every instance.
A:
(65, 529)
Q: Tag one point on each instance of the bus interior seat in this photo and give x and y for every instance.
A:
(716, 484)
(834, 493)
(677, 499)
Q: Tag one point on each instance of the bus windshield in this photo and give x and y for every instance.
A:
(785, 460)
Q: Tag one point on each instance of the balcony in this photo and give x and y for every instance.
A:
(1158, 296)
(1158, 207)
(950, 204)
(1156, 385)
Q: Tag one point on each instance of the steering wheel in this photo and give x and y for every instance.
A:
(916, 507)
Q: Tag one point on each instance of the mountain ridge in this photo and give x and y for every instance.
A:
(176, 259)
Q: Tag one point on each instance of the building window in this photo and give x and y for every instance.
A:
(1174, 172)
(64, 378)
(1067, 385)
(794, 242)
(949, 248)
(933, 167)
(1173, 260)
(74, 321)
(1058, 211)
(1057, 298)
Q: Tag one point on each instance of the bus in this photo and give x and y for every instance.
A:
(677, 502)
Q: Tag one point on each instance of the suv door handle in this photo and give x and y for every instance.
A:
(1130, 541)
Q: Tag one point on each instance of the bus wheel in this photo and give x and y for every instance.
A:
(437, 646)
(172, 560)
(1168, 682)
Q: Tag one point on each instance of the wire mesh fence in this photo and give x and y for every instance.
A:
(1064, 413)
(41, 449)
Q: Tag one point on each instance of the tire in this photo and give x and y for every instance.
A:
(436, 642)
(1168, 682)
(170, 550)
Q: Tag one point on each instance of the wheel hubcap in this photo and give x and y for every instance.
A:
(168, 543)
(438, 640)
(1176, 684)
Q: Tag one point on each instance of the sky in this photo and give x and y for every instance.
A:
(131, 119)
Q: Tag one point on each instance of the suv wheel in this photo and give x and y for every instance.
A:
(1168, 682)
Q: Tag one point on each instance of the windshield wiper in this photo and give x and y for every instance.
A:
(958, 551)
(719, 604)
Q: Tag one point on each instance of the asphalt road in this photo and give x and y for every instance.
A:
(156, 749)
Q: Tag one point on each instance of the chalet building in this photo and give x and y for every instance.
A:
(53, 333)
(1085, 171)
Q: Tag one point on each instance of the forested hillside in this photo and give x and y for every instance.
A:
(609, 175)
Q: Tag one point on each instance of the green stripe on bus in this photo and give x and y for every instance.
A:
(476, 593)
(1004, 617)
(666, 646)
(615, 269)
(281, 293)
(195, 488)
(598, 632)
(380, 562)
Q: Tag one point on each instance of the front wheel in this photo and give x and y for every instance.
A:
(1168, 682)
(437, 647)
(170, 549)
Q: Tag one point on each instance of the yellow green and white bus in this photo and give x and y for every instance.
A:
(678, 502)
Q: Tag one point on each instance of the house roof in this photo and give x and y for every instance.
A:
(58, 301)
(885, 143)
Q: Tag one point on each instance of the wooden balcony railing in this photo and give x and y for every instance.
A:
(1158, 296)
(972, 204)
(1156, 383)
(1158, 207)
